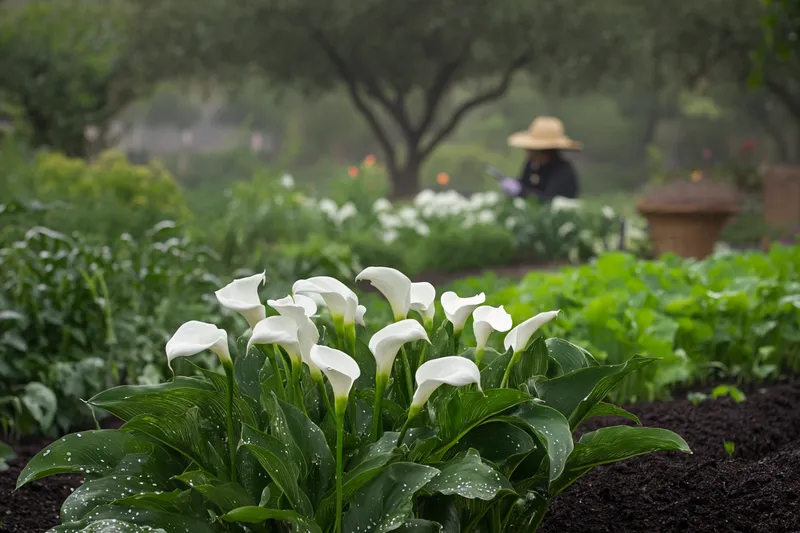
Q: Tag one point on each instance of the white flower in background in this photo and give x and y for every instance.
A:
(287, 181)
(424, 197)
(389, 236)
(486, 217)
(390, 220)
(453, 370)
(574, 255)
(241, 295)
(422, 229)
(381, 205)
(344, 213)
(487, 319)
(341, 369)
(511, 223)
(328, 206)
(360, 312)
(468, 222)
(565, 229)
(518, 338)
(585, 236)
(340, 300)
(408, 214)
(393, 284)
(423, 297)
(280, 331)
(385, 344)
(560, 203)
(492, 197)
(520, 203)
(457, 309)
(608, 212)
(194, 337)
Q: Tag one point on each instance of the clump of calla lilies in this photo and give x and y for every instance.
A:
(330, 427)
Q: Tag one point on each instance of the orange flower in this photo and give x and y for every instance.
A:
(442, 178)
(353, 172)
(697, 175)
(369, 161)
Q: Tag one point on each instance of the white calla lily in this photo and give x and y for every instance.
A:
(297, 306)
(280, 331)
(518, 338)
(300, 308)
(385, 344)
(241, 295)
(452, 370)
(360, 312)
(339, 298)
(393, 284)
(341, 370)
(487, 319)
(457, 309)
(194, 337)
(423, 297)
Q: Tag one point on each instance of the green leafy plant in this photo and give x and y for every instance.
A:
(730, 447)
(730, 391)
(6, 454)
(311, 429)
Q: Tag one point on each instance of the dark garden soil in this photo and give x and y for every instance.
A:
(756, 491)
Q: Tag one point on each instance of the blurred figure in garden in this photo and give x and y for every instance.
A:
(546, 173)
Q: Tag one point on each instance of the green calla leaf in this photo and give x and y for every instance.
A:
(108, 525)
(90, 453)
(147, 519)
(492, 373)
(386, 501)
(469, 477)
(568, 356)
(609, 409)
(366, 362)
(417, 525)
(553, 431)
(247, 368)
(224, 495)
(534, 362)
(498, 442)
(256, 515)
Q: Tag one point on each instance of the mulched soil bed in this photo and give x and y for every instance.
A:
(756, 491)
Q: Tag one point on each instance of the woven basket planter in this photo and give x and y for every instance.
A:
(686, 218)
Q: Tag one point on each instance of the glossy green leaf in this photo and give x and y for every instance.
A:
(574, 394)
(94, 453)
(498, 441)
(609, 409)
(274, 456)
(108, 525)
(366, 362)
(534, 362)
(553, 431)
(225, 495)
(144, 518)
(416, 525)
(568, 356)
(6, 454)
(492, 373)
(469, 477)
(257, 515)
(613, 444)
(386, 501)
(247, 368)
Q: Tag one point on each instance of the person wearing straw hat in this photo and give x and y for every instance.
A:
(546, 173)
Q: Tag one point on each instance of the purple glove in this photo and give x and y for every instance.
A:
(511, 186)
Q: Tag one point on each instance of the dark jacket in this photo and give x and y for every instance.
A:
(555, 178)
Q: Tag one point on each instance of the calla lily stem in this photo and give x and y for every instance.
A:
(377, 418)
(297, 374)
(412, 413)
(511, 364)
(273, 358)
(228, 366)
(340, 410)
(407, 370)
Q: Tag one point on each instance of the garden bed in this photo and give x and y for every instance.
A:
(758, 490)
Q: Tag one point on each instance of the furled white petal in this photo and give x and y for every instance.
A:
(298, 307)
(385, 344)
(453, 370)
(338, 297)
(193, 337)
(278, 330)
(518, 337)
(423, 295)
(241, 295)
(360, 312)
(487, 319)
(393, 284)
(458, 309)
(341, 369)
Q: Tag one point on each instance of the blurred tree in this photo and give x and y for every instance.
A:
(65, 66)
(400, 62)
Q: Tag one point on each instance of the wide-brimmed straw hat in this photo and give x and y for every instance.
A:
(545, 133)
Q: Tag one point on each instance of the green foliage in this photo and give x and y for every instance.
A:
(486, 460)
(730, 447)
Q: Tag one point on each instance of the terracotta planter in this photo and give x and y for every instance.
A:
(782, 197)
(686, 218)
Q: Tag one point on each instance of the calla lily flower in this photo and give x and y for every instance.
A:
(393, 284)
(278, 330)
(360, 311)
(453, 370)
(423, 295)
(518, 338)
(341, 369)
(487, 319)
(297, 307)
(300, 308)
(339, 298)
(385, 344)
(241, 295)
(457, 309)
(193, 337)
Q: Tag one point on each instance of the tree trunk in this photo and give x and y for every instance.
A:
(405, 180)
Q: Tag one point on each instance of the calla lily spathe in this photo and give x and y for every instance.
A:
(385, 344)
(297, 306)
(241, 295)
(339, 298)
(194, 337)
(518, 338)
(423, 296)
(457, 309)
(360, 312)
(278, 330)
(341, 369)
(300, 308)
(393, 284)
(453, 370)
(485, 320)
